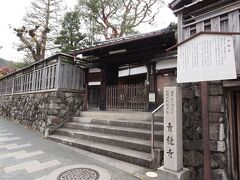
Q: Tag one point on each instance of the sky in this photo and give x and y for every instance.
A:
(13, 11)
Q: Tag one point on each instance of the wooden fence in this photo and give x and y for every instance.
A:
(53, 74)
(127, 97)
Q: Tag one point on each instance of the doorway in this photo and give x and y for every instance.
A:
(94, 97)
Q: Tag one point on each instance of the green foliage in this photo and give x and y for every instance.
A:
(70, 36)
(173, 26)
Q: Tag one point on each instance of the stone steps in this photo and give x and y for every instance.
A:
(115, 130)
(125, 115)
(131, 156)
(131, 143)
(122, 123)
(123, 136)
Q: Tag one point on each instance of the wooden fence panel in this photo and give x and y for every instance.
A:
(53, 74)
(71, 77)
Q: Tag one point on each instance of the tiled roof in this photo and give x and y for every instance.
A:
(121, 40)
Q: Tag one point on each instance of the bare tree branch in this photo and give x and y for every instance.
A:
(116, 18)
(43, 16)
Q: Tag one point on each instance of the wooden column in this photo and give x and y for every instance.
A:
(103, 88)
(205, 131)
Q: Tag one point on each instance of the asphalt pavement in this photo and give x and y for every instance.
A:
(26, 155)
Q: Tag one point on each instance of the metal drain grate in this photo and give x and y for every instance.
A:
(79, 174)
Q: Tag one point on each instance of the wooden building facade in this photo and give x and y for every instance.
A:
(129, 73)
(195, 16)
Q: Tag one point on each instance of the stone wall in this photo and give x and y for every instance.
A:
(38, 109)
(192, 131)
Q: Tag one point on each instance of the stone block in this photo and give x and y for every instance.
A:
(197, 91)
(46, 133)
(188, 93)
(191, 105)
(218, 146)
(54, 112)
(192, 145)
(216, 117)
(70, 99)
(55, 100)
(52, 120)
(215, 89)
(165, 174)
(219, 174)
(216, 104)
(217, 132)
(61, 94)
(214, 131)
(218, 161)
(54, 106)
(41, 129)
(195, 131)
(68, 95)
(63, 112)
(193, 158)
(77, 113)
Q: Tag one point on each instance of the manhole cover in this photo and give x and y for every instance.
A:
(79, 174)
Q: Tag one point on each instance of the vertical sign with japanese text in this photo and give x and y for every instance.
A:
(173, 143)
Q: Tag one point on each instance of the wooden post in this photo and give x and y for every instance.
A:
(205, 131)
(33, 78)
(58, 74)
(103, 88)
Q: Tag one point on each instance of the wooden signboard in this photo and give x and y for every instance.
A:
(206, 57)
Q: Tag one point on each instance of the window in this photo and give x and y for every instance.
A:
(224, 23)
(17, 84)
(207, 25)
(193, 30)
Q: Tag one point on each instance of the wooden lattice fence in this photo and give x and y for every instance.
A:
(127, 97)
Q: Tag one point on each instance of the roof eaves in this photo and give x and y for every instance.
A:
(173, 3)
(119, 41)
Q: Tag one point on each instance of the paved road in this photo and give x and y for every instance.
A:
(25, 155)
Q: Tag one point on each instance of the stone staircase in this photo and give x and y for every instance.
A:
(121, 135)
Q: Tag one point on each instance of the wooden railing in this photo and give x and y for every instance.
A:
(52, 74)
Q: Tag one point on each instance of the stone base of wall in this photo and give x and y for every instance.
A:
(192, 131)
(36, 109)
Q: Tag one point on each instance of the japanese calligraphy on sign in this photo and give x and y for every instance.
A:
(206, 57)
(173, 128)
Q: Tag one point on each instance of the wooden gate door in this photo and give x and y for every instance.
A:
(94, 95)
(234, 132)
(127, 97)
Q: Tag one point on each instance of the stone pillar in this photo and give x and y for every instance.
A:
(173, 139)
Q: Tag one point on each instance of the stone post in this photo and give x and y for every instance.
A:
(173, 140)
